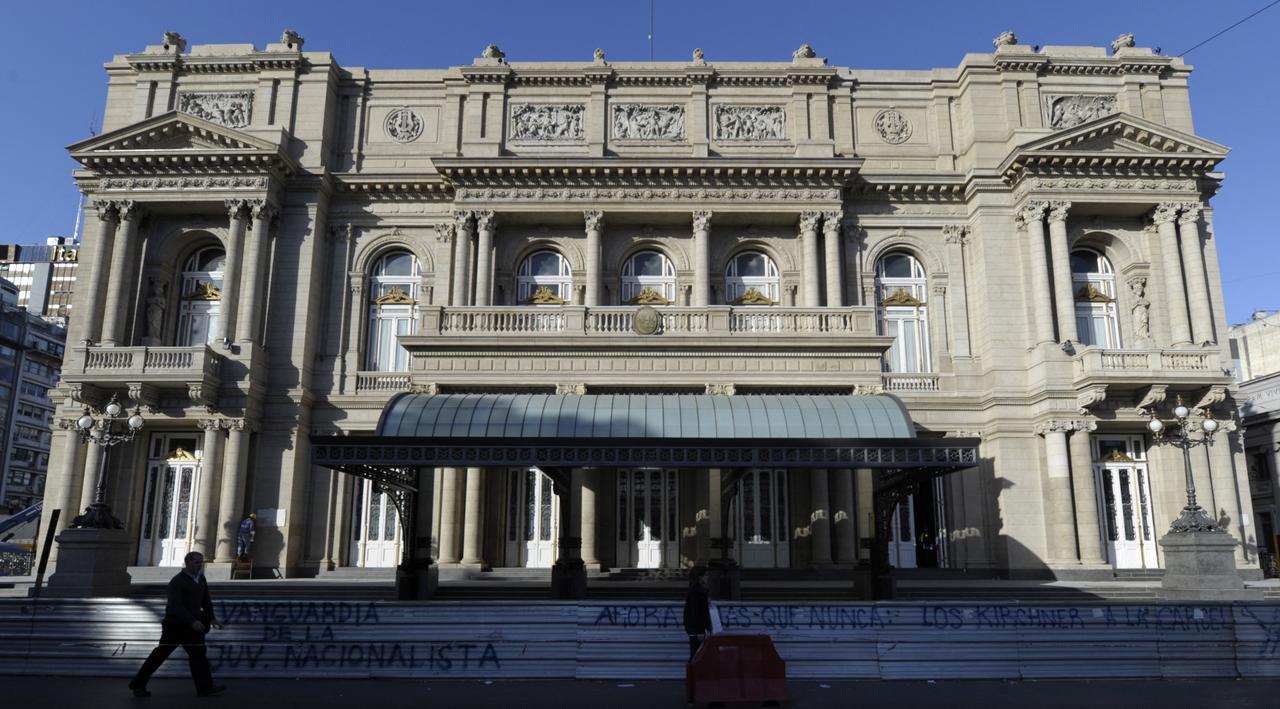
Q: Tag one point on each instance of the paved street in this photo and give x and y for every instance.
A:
(21, 692)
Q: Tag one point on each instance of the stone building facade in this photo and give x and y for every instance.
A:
(1020, 248)
(1254, 346)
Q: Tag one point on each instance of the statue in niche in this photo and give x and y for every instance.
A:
(156, 301)
(1141, 311)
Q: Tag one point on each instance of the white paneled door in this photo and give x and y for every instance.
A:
(533, 516)
(648, 533)
(1124, 504)
(759, 520)
(375, 530)
(169, 500)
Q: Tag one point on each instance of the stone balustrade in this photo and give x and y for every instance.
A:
(712, 320)
(381, 381)
(1105, 364)
(149, 360)
(913, 382)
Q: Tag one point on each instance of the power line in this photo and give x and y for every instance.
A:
(1272, 4)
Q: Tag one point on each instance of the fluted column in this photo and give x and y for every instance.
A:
(702, 258)
(472, 522)
(108, 220)
(238, 213)
(819, 519)
(1164, 217)
(1032, 218)
(1062, 293)
(845, 518)
(594, 219)
(1197, 285)
(1085, 492)
(1058, 523)
(120, 280)
(235, 475)
(205, 539)
(590, 487)
(831, 227)
(449, 516)
(251, 281)
(809, 251)
(462, 258)
(486, 224)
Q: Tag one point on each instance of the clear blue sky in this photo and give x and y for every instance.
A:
(54, 85)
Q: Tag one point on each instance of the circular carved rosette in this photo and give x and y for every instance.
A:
(403, 125)
(646, 321)
(893, 127)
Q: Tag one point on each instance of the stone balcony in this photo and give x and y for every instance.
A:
(145, 370)
(1165, 366)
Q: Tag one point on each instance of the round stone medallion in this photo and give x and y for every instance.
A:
(403, 125)
(646, 320)
(893, 127)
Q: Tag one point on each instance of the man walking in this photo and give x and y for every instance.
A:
(188, 615)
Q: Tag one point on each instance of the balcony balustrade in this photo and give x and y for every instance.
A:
(1103, 364)
(614, 321)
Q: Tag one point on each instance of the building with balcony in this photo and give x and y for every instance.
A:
(1018, 249)
(1255, 347)
(31, 350)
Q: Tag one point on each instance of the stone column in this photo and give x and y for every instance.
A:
(590, 488)
(472, 523)
(251, 282)
(854, 246)
(1197, 286)
(1062, 292)
(486, 224)
(701, 258)
(1032, 218)
(1058, 522)
(1179, 327)
(108, 218)
(568, 574)
(831, 228)
(205, 539)
(819, 520)
(462, 258)
(235, 475)
(444, 263)
(1085, 493)
(89, 483)
(956, 237)
(449, 517)
(64, 479)
(119, 282)
(845, 519)
(238, 212)
(809, 250)
(595, 226)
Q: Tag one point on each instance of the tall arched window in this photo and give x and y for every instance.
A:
(201, 308)
(900, 292)
(1094, 284)
(544, 278)
(649, 278)
(393, 310)
(751, 279)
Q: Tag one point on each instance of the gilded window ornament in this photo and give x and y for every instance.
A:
(901, 296)
(893, 127)
(395, 295)
(752, 297)
(1119, 456)
(648, 296)
(181, 453)
(1090, 294)
(403, 125)
(205, 290)
(544, 296)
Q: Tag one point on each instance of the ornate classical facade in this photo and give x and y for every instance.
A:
(1019, 248)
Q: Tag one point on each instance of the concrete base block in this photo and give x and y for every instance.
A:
(92, 563)
(568, 579)
(724, 580)
(1201, 566)
(417, 582)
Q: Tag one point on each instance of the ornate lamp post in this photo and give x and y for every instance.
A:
(106, 430)
(1193, 517)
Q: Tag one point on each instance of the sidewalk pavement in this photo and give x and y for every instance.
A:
(28, 691)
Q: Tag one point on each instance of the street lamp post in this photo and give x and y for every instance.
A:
(106, 430)
(1193, 517)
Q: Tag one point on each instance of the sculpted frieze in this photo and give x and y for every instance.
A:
(633, 121)
(1071, 111)
(211, 182)
(632, 194)
(750, 123)
(547, 122)
(226, 108)
(1106, 183)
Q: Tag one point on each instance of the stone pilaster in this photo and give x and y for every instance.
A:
(594, 219)
(1031, 217)
(1063, 296)
(486, 225)
(702, 258)
(462, 258)
(472, 519)
(831, 227)
(956, 237)
(810, 280)
(1201, 309)
(1175, 295)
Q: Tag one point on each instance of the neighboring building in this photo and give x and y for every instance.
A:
(31, 350)
(1019, 248)
(45, 276)
(1255, 347)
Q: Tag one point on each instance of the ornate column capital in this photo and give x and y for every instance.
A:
(571, 389)
(809, 220)
(236, 208)
(356, 280)
(831, 222)
(721, 389)
(1190, 213)
(108, 210)
(701, 219)
(955, 233)
(1058, 211)
(129, 210)
(209, 424)
(1165, 213)
(445, 232)
(261, 209)
(594, 219)
(486, 220)
(1032, 211)
(462, 220)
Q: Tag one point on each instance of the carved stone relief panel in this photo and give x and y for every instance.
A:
(892, 126)
(547, 123)
(1071, 111)
(633, 121)
(403, 125)
(226, 108)
(750, 123)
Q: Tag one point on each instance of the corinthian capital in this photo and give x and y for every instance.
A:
(445, 232)
(486, 220)
(1058, 211)
(701, 220)
(236, 208)
(1190, 213)
(108, 210)
(831, 223)
(1032, 212)
(1165, 213)
(955, 233)
(462, 220)
(809, 221)
(129, 210)
(594, 219)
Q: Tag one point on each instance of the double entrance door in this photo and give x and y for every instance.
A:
(917, 531)
(375, 529)
(758, 520)
(1124, 503)
(648, 512)
(533, 515)
(169, 500)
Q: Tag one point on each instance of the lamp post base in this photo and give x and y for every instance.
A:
(92, 562)
(1201, 566)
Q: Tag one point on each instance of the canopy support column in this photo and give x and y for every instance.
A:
(569, 573)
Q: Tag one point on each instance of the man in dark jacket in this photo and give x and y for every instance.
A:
(188, 615)
(697, 610)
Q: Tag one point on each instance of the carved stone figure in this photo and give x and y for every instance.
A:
(547, 122)
(1124, 40)
(632, 121)
(804, 52)
(1071, 111)
(156, 302)
(403, 125)
(598, 56)
(1141, 311)
(174, 41)
(291, 39)
(750, 123)
(226, 108)
(698, 56)
(893, 127)
(492, 52)
(1005, 39)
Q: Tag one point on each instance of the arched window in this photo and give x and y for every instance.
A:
(751, 279)
(201, 308)
(544, 278)
(393, 310)
(649, 278)
(1094, 284)
(900, 292)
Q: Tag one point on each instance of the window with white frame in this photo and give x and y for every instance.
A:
(393, 310)
(649, 278)
(544, 278)
(201, 305)
(751, 279)
(900, 295)
(1094, 284)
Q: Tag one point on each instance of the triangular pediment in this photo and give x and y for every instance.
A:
(172, 132)
(1117, 139)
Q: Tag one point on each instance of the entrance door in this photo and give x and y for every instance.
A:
(647, 512)
(759, 520)
(1124, 495)
(902, 540)
(533, 518)
(375, 529)
(169, 502)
